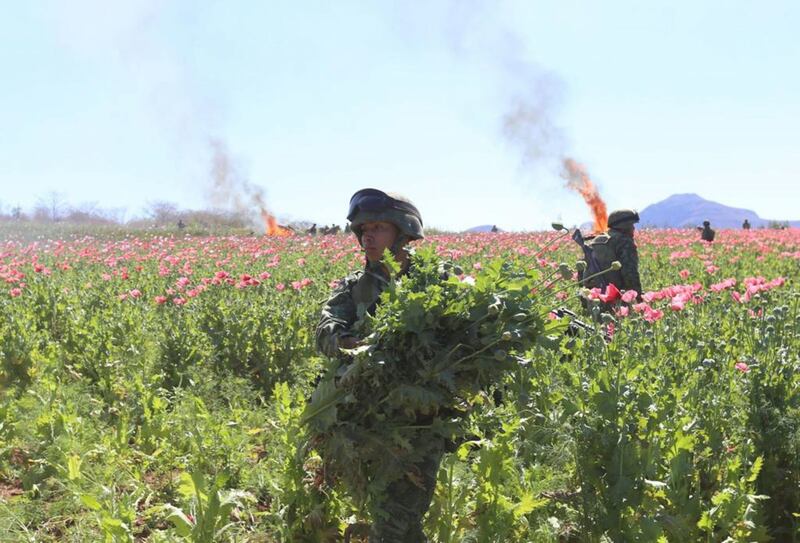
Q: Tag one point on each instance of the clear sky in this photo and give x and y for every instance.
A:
(116, 103)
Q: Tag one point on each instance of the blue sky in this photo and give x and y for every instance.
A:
(116, 103)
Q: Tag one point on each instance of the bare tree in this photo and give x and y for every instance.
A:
(162, 212)
(51, 207)
(88, 213)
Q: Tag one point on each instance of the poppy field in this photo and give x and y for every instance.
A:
(153, 388)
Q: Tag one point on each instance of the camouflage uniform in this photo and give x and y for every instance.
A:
(627, 278)
(356, 296)
(618, 244)
(405, 502)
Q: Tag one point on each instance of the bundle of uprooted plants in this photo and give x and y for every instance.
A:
(437, 343)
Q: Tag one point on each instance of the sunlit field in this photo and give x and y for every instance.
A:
(153, 388)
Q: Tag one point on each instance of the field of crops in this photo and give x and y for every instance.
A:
(152, 389)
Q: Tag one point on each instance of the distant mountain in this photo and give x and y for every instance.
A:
(688, 210)
(481, 228)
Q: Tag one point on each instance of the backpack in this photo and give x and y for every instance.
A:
(598, 255)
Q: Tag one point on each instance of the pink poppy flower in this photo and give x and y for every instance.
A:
(280, 287)
(160, 300)
(629, 296)
(611, 294)
(684, 274)
(653, 315)
(742, 367)
(14, 292)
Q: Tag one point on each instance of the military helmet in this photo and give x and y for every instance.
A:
(622, 218)
(373, 205)
(706, 223)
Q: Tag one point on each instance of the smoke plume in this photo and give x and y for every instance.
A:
(532, 97)
(132, 35)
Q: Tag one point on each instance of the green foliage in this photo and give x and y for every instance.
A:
(126, 418)
(433, 348)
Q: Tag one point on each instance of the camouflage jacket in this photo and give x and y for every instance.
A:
(625, 251)
(356, 296)
(619, 246)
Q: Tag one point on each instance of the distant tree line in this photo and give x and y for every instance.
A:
(53, 208)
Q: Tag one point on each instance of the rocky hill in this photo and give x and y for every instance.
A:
(688, 210)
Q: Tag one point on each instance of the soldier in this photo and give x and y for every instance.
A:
(746, 225)
(313, 230)
(707, 234)
(380, 221)
(618, 244)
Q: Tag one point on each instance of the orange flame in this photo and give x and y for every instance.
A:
(271, 226)
(578, 180)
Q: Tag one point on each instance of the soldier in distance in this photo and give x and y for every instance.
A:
(746, 225)
(707, 233)
(380, 221)
(618, 244)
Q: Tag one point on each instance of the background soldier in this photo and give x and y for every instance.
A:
(618, 244)
(380, 221)
(746, 224)
(707, 234)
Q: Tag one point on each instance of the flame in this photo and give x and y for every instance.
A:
(271, 226)
(578, 180)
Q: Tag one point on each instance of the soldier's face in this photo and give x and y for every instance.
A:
(376, 237)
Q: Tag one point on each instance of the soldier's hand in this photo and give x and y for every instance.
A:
(349, 342)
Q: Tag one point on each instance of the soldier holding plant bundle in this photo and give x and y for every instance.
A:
(413, 347)
(381, 221)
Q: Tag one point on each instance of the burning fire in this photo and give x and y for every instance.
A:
(578, 180)
(271, 226)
